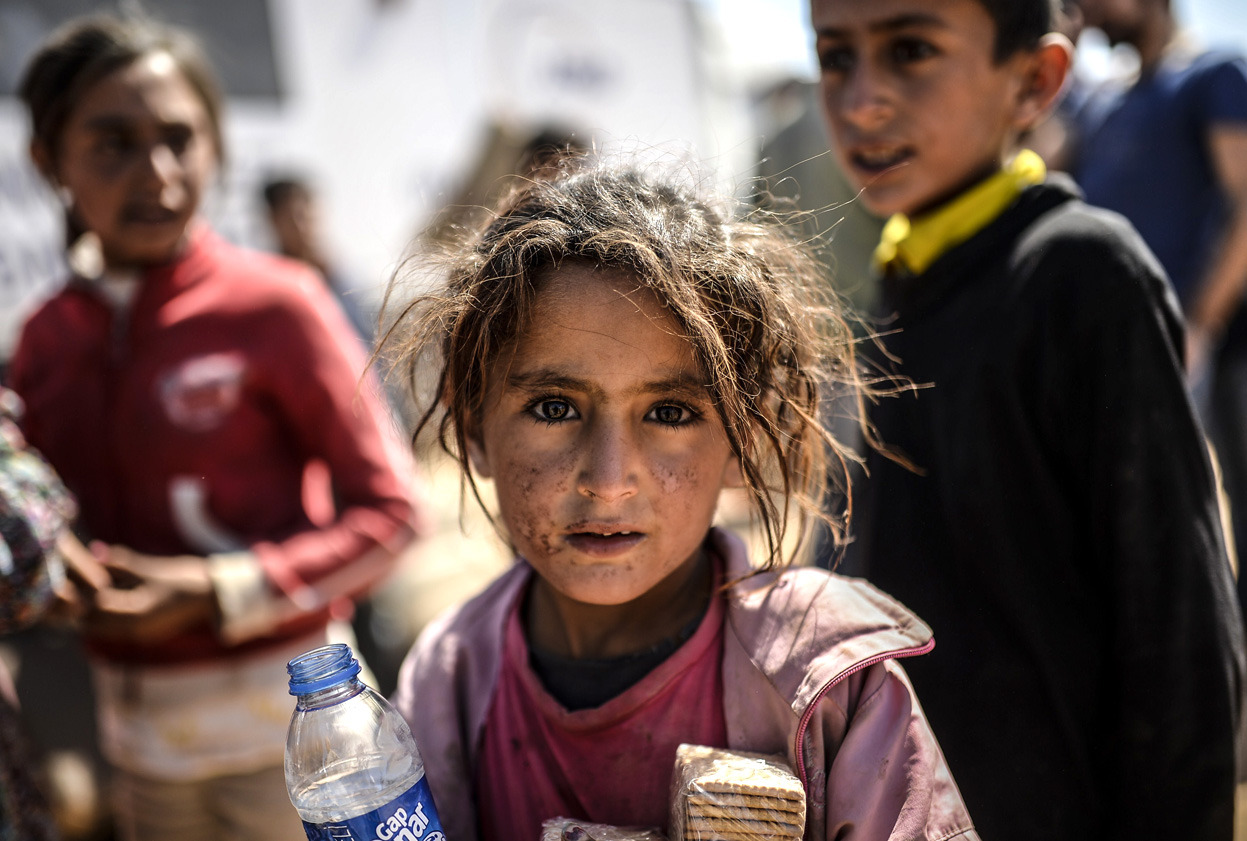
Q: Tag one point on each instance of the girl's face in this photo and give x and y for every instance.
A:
(601, 438)
(135, 155)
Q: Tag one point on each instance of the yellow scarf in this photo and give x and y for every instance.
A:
(912, 245)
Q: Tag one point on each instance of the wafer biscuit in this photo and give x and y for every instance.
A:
(720, 771)
(732, 835)
(756, 828)
(734, 795)
(743, 802)
(757, 815)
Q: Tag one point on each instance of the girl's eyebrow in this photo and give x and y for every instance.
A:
(118, 122)
(682, 383)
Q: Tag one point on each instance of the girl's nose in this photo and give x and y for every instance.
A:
(608, 468)
(163, 165)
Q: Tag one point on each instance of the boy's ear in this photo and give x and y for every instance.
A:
(1045, 72)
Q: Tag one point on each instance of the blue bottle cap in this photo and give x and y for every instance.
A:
(321, 668)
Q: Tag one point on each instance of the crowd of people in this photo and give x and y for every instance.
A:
(1019, 618)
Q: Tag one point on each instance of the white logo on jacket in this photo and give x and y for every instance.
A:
(199, 394)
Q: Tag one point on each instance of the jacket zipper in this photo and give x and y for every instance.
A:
(852, 670)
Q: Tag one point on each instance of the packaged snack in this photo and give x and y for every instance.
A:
(734, 796)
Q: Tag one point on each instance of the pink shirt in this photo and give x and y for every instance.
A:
(611, 764)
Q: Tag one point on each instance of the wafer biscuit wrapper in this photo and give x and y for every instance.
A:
(727, 795)
(567, 829)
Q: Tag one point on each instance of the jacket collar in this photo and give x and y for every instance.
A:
(910, 245)
(805, 628)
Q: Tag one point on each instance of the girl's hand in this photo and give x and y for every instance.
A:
(85, 576)
(152, 597)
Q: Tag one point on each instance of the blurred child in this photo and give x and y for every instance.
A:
(1060, 529)
(613, 351)
(295, 216)
(181, 387)
(1187, 107)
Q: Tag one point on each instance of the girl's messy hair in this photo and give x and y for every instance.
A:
(751, 300)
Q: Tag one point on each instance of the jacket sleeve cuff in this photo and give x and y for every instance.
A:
(242, 595)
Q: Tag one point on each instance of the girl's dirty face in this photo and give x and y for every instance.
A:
(600, 435)
(136, 155)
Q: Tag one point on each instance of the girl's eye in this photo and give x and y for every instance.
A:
(178, 140)
(553, 410)
(671, 414)
(911, 50)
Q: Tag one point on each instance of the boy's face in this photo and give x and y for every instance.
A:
(602, 440)
(917, 108)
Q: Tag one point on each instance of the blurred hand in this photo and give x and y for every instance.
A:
(85, 576)
(151, 597)
(1199, 346)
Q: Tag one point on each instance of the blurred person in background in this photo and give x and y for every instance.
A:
(181, 387)
(1168, 150)
(295, 216)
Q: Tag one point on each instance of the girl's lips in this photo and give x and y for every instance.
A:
(150, 215)
(602, 545)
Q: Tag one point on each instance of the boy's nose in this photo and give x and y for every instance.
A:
(608, 468)
(863, 98)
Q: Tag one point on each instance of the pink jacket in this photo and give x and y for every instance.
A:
(809, 671)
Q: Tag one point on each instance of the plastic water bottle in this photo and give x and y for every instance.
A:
(352, 766)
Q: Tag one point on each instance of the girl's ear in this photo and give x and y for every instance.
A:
(42, 157)
(734, 474)
(477, 455)
(1047, 68)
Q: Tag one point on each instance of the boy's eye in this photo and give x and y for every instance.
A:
(112, 143)
(910, 50)
(835, 59)
(670, 414)
(552, 409)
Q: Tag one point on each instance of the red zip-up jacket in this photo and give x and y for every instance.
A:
(185, 424)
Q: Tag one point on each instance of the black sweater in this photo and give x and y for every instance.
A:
(1062, 537)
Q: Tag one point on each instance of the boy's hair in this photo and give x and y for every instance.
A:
(1020, 24)
(86, 49)
(765, 331)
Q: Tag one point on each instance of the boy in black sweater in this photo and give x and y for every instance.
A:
(1059, 528)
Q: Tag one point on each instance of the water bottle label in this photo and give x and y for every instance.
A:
(409, 817)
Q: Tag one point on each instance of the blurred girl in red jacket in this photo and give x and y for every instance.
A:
(182, 387)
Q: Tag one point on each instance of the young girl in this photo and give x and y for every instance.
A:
(613, 351)
(182, 387)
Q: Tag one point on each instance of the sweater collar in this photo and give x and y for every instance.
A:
(910, 246)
